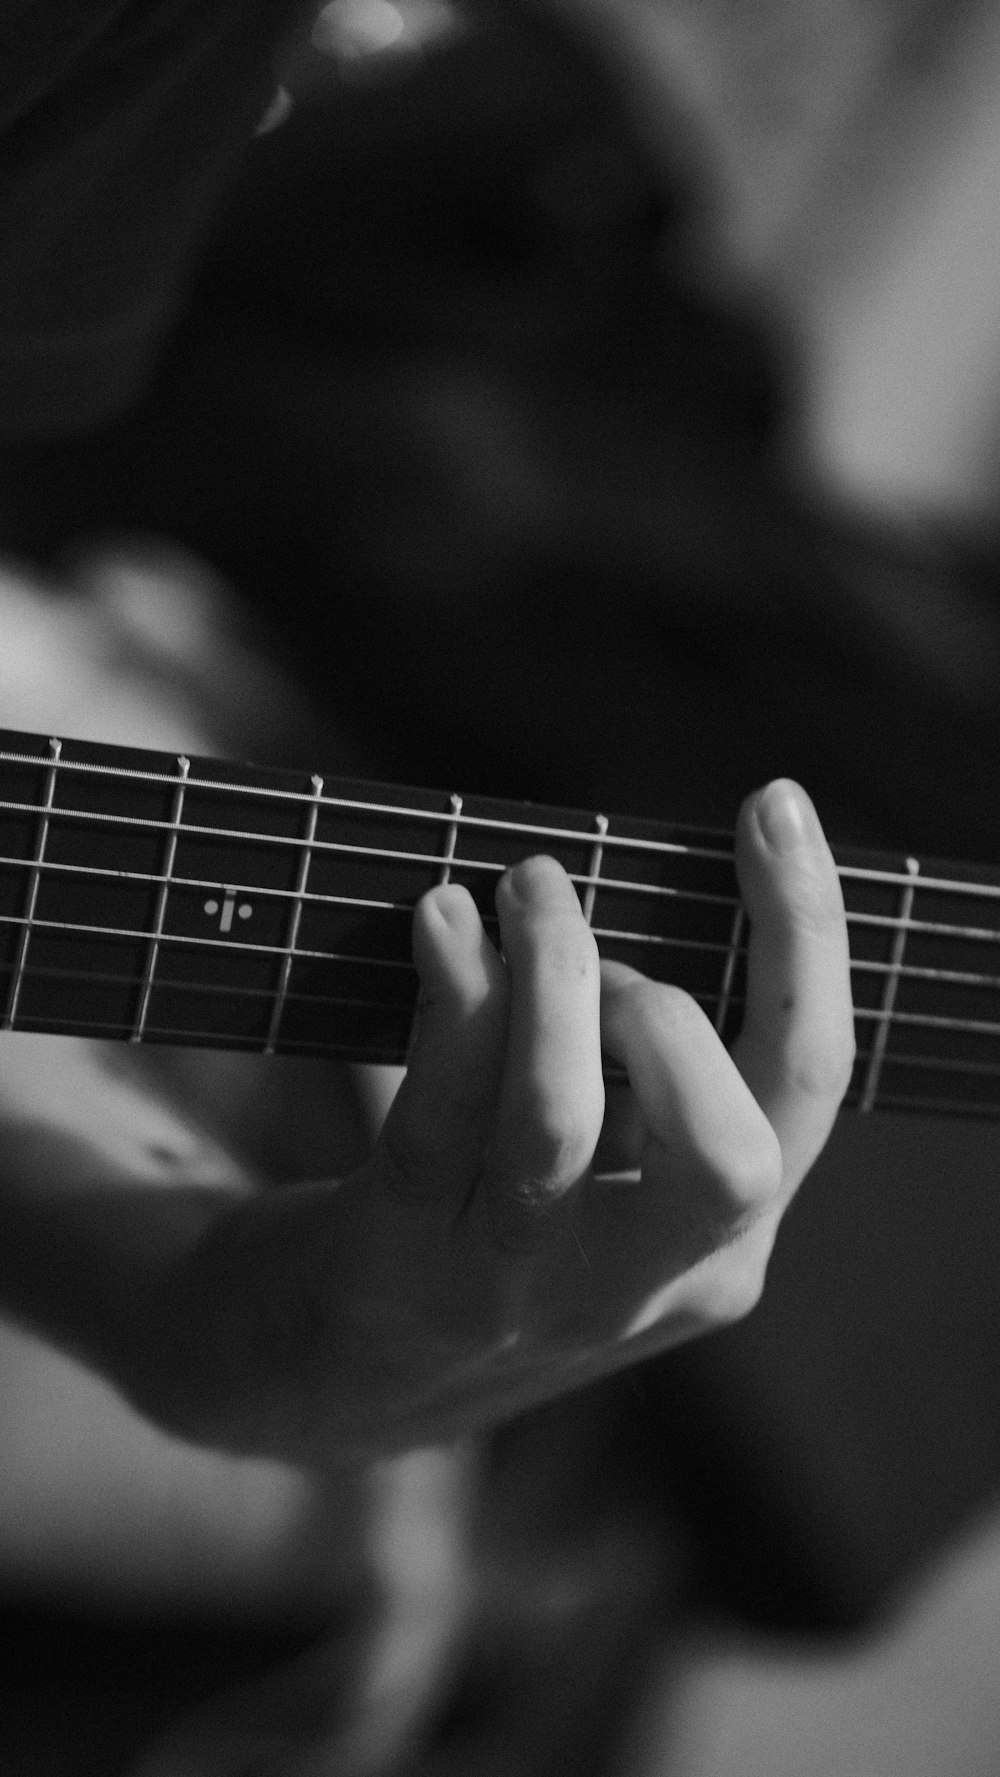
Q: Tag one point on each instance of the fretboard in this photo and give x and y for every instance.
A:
(151, 898)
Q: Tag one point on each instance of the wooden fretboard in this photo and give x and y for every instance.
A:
(155, 898)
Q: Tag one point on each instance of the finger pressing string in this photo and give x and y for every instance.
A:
(437, 1128)
(552, 1094)
(700, 1118)
(796, 1048)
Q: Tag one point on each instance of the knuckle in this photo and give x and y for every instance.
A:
(521, 1219)
(750, 1176)
(814, 901)
(559, 1136)
(822, 1070)
(738, 1276)
(661, 1007)
(568, 952)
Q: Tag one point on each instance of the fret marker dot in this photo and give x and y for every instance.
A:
(211, 906)
(245, 910)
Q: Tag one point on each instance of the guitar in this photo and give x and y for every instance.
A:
(152, 897)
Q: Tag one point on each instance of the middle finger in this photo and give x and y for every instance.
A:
(552, 1092)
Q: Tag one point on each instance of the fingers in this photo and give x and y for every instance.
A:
(710, 1169)
(796, 1048)
(437, 1129)
(504, 1084)
(703, 1128)
(552, 1093)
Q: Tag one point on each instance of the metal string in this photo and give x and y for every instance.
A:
(439, 818)
(979, 1027)
(366, 904)
(451, 820)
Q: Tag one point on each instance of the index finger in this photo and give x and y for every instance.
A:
(796, 1047)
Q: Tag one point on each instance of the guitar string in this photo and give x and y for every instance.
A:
(564, 835)
(439, 818)
(471, 866)
(446, 818)
(395, 1052)
(606, 885)
(966, 1026)
(374, 855)
(236, 991)
(366, 1003)
(359, 905)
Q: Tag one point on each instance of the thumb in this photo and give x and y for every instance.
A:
(437, 1129)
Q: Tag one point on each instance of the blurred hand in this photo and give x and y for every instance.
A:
(507, 1240)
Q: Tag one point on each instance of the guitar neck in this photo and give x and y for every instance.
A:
(148, 897)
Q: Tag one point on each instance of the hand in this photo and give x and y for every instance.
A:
(493, 1252)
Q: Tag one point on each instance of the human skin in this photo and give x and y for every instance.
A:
(511, 1237)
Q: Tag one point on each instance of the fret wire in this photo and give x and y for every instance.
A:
(183, 768)
(870, 1087)
(34, 881)
(295, 918)
(450, 842)
(593, 869)
(444, 877)
(728, 973)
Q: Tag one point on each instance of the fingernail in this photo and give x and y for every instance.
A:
(537, 881)
(453, 907)
(785, 815)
